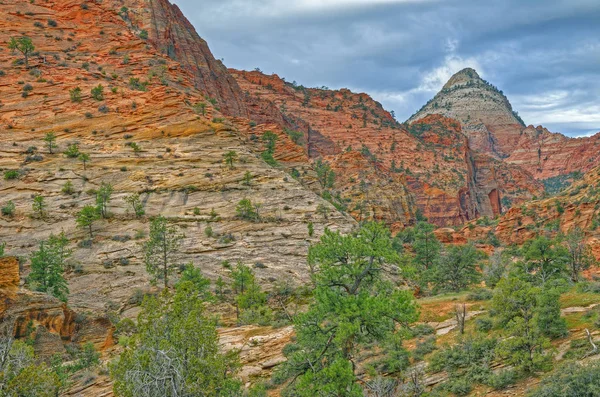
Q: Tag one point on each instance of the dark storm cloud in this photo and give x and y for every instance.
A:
(544, 54)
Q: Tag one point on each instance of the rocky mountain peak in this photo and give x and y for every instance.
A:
(463, 77)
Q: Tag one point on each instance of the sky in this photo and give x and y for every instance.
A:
(544, 54)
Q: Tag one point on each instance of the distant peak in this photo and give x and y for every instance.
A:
(462, 77)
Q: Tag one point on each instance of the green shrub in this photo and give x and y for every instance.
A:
(11, 175)
(480, 294)
(98, 92)
(72, 151)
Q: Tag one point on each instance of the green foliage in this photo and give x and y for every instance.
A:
(295, 136)
(269, 139)
(68, 188)
(20, 375)
(353, 305)
(163, 244)
(311, 229)
(50, 141)
(11, 175)
(75, 95)
(547, 316)
(72, 151)
(426, 246)
(269, 159)
(175, 352)
(456, 269)
(86, 218)
(571, 380)
(103, 197)
(39, 206)
(98, 92)
(545, 259)
(9, 209)
(136, 84)
(246, 210)
(24, 45)
(516, 306)
(230, 157)
(2, 249)
(136, 204)
(467, 363)
(201, 284)
(247, 178)
(84, 158)
(580, 256)
(557, 184)
(48, 266)
(325, 174)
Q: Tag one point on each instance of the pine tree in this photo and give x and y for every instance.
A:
(159, 251)
(48, 266)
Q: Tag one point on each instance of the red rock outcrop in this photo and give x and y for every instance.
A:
(493, 128)
(432, 156)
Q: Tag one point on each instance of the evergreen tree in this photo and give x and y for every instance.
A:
(86, 218)
(48, 266)
(103, 196)
(24, 45)
(456, 268)
(545, 259)
(515, 303)
(175, 352)
(579, 254)
(353, 305)
(426, 246)
(50, 141)
(159, 251)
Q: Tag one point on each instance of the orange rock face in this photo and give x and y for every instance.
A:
(429, 162)
(9, 281)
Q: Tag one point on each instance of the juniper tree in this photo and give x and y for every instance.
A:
(230, 157)
(353, 305)
(175, 352)
(24, 45)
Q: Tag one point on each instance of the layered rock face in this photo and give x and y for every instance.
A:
(493, 128)
(149, 130)
(484, 112)
(432, 156)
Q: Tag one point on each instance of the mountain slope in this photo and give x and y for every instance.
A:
(449, 181)
(149, 130)
(494, 128)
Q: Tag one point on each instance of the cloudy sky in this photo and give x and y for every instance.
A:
(544, 54)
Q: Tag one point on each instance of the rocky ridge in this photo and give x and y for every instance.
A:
(494, 128)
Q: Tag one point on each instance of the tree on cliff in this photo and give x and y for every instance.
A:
(103, 197)
(48, 266)
(175, 352)
(86, 218)
(24, 45)
(230, 158)
(162, 245)
(353, 305)
(50, 140)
